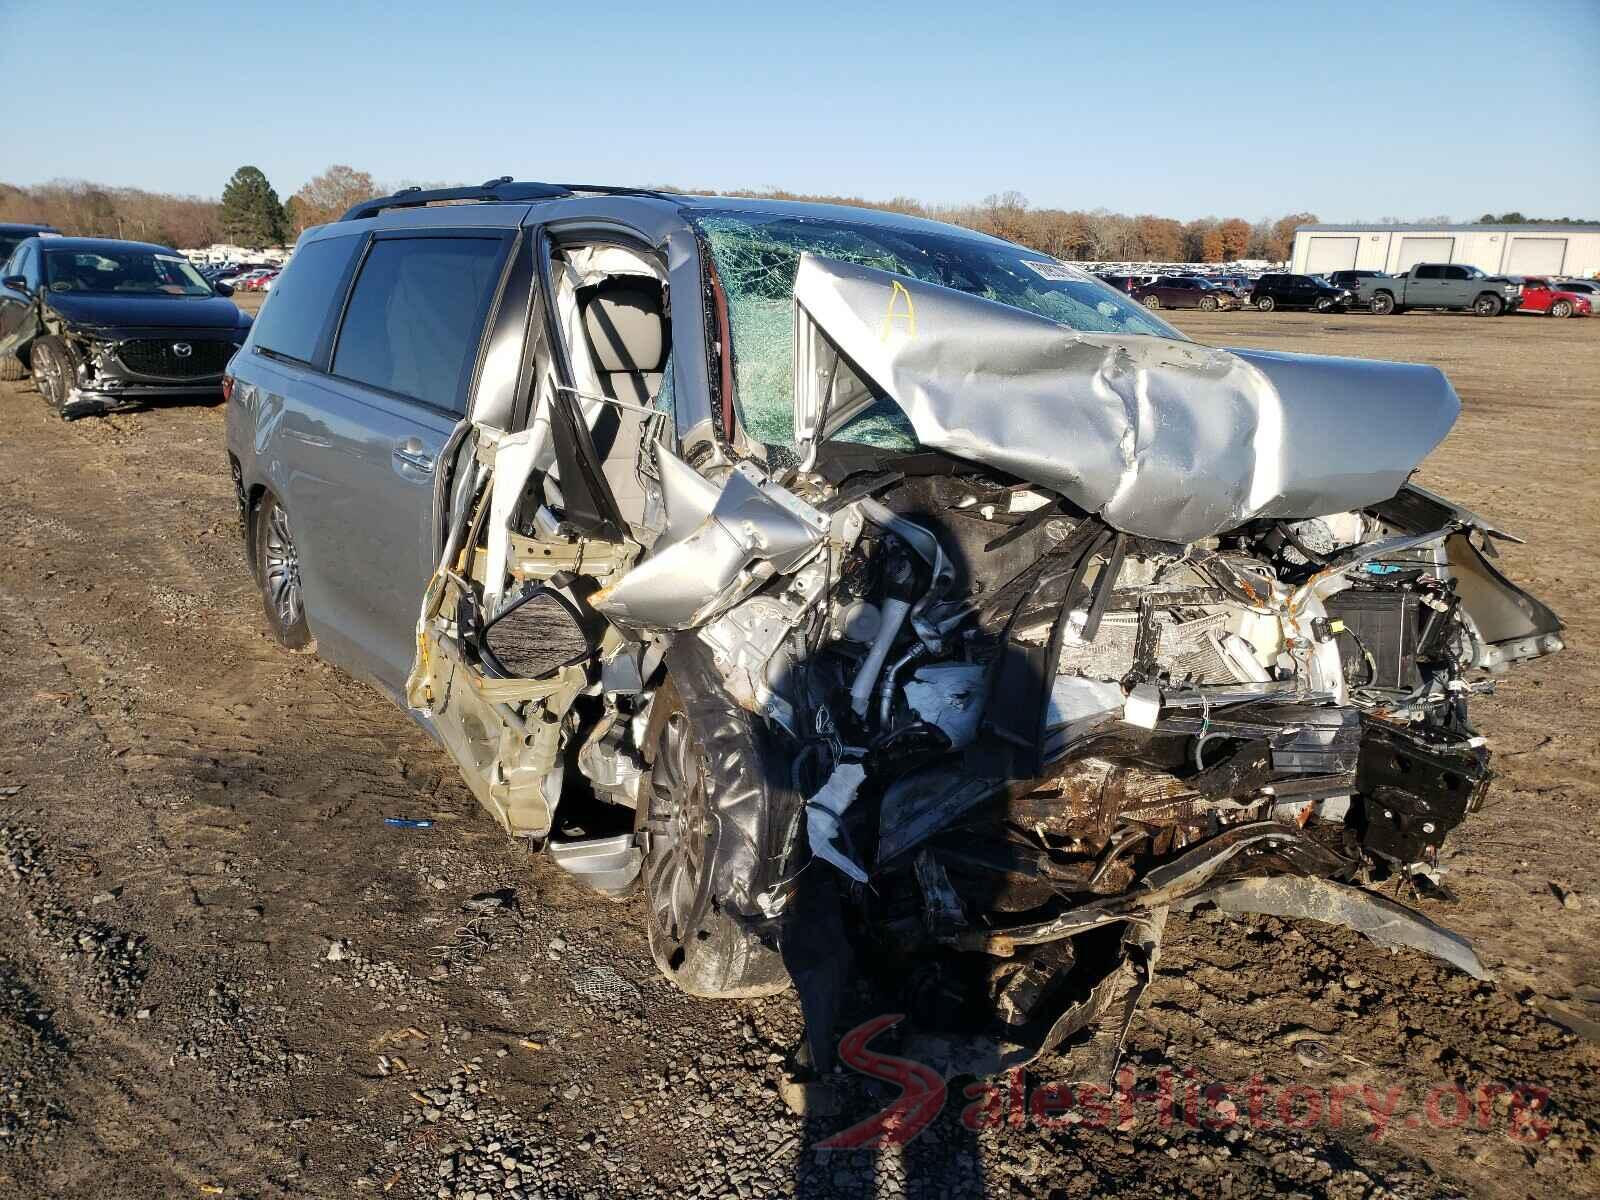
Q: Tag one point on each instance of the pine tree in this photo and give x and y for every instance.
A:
(251, 215)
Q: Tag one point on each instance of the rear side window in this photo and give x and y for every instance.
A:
(1430, 272)
(415, 317)
(304, 297)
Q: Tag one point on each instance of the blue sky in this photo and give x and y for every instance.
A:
(1350, 109)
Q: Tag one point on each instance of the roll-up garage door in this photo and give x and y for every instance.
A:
(1331, 254)
(1424, 250)
(1536, 256)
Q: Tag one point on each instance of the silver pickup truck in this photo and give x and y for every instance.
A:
(1441, 285)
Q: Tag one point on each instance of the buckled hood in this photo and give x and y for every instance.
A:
(1160, 437)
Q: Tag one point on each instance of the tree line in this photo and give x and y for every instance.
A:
(250, 213)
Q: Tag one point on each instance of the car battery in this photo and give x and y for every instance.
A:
(1378, 644)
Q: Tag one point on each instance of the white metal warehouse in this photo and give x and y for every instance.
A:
(1571, 250)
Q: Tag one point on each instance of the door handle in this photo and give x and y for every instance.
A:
(412, 454)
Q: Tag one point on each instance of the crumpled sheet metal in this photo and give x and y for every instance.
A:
(1106, 1012)
(1382, 921)
(712, 536)
(1162, 438)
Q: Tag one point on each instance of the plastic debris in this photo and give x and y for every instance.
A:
(602, 983)
(823, 811)
(408, 822)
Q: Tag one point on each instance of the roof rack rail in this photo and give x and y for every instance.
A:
(504, 189)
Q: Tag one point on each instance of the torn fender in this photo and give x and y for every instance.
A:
(1162, 438)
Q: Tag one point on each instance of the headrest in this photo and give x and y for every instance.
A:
(622, 316)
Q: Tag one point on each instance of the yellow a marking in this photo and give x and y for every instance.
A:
(909, 316)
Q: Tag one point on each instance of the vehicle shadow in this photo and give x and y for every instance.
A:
(878, 1119)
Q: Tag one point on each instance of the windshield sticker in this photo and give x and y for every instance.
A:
(1050, 269)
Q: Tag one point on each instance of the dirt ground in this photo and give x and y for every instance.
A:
(222, 974)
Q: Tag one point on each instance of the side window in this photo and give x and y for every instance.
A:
(25, 262)
(1430, 272)
(416, 316)
(1457, 273)
(306, 295)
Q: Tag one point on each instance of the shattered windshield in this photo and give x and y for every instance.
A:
(141, 272)
(758, 254)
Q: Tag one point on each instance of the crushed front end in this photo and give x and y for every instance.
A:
(1041, 634)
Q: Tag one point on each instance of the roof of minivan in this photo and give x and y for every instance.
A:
(689, 205)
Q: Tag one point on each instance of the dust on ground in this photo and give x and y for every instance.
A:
(224, 975)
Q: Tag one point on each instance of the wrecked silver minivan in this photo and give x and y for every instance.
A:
(900, 604)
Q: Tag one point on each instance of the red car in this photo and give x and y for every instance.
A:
(1541, 295)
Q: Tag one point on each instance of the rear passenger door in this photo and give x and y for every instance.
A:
(373, 433)
(1457, 288)
(1426, 287)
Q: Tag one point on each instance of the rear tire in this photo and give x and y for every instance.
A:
(1266, 304)
(1383, 304)
(12, 368)
(278, 570)
(1561, 308)
(1488, 306)
(1151, 302)
(704, 949)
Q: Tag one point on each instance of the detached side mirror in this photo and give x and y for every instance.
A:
(17, 283)
(222, 289)
(535, 635)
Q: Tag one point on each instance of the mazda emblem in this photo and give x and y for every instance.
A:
(182, 349)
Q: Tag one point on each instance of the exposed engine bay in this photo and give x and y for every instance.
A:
(926, 712)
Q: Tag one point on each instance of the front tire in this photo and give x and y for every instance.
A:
(1324, 305)
(1266, 304)
(12, 368)
(1488, 306)
(1383, 304)
(52, 374)
(278, 570)
(1208, 303)
(704, 949)
(1561, 309)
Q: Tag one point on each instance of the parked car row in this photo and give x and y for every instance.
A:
(1447, 286)
(243, 278)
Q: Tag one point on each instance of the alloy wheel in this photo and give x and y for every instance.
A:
(49, 377)
(678, 831)
(282, 562)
